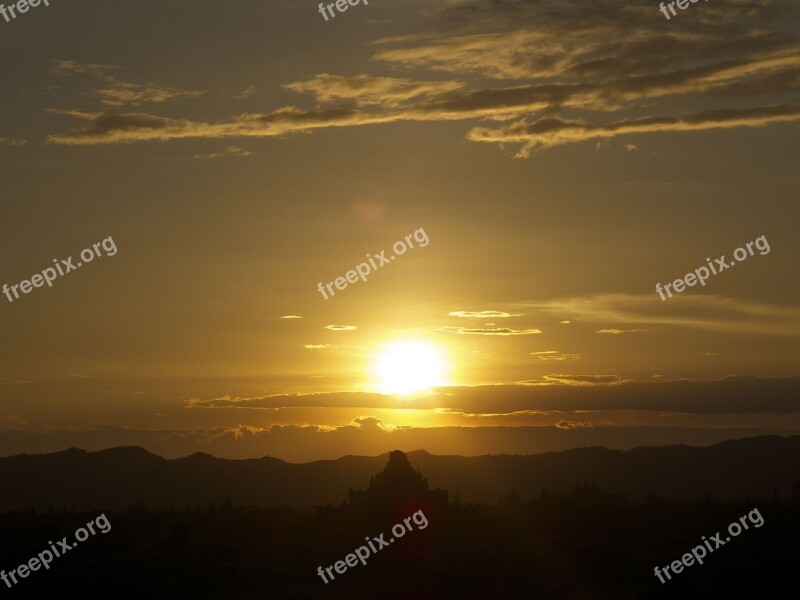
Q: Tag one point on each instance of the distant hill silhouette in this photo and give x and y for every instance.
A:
(116, 478)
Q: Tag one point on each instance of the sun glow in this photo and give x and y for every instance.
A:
(406, 367)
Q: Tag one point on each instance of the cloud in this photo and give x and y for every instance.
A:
(544, 39)
(499, 104)
(698, 311)
(555, 355)
(12, 141)
(110, 127)
(554, 131)
(228, 151)
(619, 331)
(484, 314)
(341, 327)
(582, 379)
(71, 67)
(559, 392)
(13, 421)
(371, 423)
(276, 401)
(549, 78)
(246, 93)
(291, 317)
(564, 424)
(369, 89)
(14, 381)
(319, 346)
(122, 93)
(495, 331)
(631, 147)
(118, 92)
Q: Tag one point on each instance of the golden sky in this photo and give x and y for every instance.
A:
(561, 157)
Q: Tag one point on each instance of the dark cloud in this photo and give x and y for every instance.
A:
(562, 392)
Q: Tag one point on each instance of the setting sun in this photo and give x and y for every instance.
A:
(406, 367)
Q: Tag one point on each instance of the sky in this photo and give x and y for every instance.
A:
(551, 162)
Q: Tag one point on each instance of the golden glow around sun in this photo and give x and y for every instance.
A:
(406, 367)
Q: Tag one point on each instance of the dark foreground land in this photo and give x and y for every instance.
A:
(581, 545)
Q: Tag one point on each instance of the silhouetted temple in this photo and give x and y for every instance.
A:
(396, 485)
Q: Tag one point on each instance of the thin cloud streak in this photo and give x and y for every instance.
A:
(704, 312)
(495, 331)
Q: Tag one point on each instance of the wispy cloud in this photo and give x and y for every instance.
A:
(584, 379)
(246, 93)
(555, 355)
(228, 151)
(554, 131)
(699, 311)
(341, 327)
(483, 314)
(494, 331)
(369, 89)
(72, 67)
(618, 331)
(116, 92)
(122, 93)
(12, 141)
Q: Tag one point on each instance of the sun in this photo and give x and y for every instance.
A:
(406, 367)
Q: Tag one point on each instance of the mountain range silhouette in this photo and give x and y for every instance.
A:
(116, 478)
